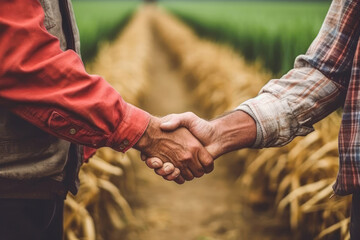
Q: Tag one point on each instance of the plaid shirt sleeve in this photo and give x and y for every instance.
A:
(288, 107)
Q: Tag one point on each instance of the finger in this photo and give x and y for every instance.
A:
(196, 168)
(154, 163)
(172, 176)
(187, 174)
(166, 169)
(206, 160)
(180, 180)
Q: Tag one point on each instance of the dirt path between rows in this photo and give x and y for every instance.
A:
(204, 209)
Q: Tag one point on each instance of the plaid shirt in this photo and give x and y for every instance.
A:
(324, 79)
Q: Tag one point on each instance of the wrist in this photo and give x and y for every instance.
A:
(235, 131)
(146, 139)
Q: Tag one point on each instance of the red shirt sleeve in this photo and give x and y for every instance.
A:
(51, 89)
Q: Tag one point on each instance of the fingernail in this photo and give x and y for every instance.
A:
(167, 168)
(155, 164)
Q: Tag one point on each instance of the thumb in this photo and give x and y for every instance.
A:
(174, 121)
(170, 125)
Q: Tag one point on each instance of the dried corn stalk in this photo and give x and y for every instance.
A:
(298, 177)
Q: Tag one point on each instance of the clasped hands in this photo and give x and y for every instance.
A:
(180, 147)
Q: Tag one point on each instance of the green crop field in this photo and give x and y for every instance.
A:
(272, 32)
(100, 20)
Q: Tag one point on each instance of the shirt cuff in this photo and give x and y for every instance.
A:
(130, 130)
(259, 136)
(278, 125)
(266, 111)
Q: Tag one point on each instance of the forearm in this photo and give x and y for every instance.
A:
(235, 130)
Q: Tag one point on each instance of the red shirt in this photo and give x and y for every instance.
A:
(51, 89)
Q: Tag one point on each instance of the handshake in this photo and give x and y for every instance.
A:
(183, 146)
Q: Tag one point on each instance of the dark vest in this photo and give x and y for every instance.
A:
(33, 163)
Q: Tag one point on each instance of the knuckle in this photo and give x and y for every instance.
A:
(187, 157)
(194, 148)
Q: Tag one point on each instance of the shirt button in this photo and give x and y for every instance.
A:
(72, 131)
(121, 147)
(126, 142)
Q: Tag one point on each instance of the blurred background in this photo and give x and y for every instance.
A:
(206, 57)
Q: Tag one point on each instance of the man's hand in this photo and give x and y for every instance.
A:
(178, 147)
(230, 132)
(204, 131)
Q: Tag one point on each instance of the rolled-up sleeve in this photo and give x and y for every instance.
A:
(288, 107)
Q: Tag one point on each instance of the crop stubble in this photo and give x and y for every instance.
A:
(295, 179)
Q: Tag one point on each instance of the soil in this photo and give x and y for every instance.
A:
(204, 209)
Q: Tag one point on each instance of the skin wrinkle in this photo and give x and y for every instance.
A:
(183, 163)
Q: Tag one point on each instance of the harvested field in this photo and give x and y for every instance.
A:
(159, 64)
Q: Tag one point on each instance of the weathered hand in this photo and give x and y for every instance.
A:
(230, 132)
(178, 147)
(204, 131)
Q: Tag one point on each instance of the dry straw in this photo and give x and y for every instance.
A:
(295, 179)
